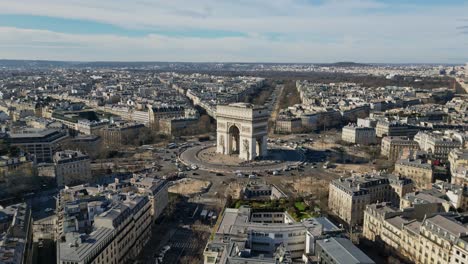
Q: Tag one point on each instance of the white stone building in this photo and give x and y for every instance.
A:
(244, 233)
(458, 159)
(358, 135)
(348, 197)
(438, 144)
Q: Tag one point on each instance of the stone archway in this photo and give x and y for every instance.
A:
(258, 146)
(234, 140)
(238, 128)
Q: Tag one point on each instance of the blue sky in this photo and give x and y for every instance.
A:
(394, 31)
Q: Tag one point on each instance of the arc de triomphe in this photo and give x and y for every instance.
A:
(242, 130)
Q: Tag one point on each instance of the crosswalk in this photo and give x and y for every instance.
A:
(187, 245)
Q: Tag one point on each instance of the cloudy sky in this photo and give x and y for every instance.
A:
(394, 31)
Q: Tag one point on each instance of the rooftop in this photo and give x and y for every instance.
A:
(342, 251)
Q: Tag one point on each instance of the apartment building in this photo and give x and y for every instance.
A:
(179, 126)
(338, 250)
(88, 127)
(89, 144)
(352, 113)
(418, 171)
(156, 189)
(456, 194)
(10, 165)
(358, 135)
(394, 129)
(366, 122)
(430, 240)
(349, 197)
(72, 167)
(286, 125)
(458, 160)
(437, 144)
(392, 147)
(118, 234)
(158, 113)
(460, 251)
(110, 224)
(16, 234)
(425, 202)
(120, 133)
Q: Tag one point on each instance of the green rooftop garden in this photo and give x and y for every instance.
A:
(297, 208)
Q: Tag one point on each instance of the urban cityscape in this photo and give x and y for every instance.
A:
(215, 154)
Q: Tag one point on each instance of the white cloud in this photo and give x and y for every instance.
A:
(42, 44)
(358, 30)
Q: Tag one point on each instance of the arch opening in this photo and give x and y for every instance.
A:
(234, 140)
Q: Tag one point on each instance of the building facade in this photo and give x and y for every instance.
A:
(156, 114)
(392, 147)
(419, 172)
(72, 167)
(178, 126)
(118, 134)
(244, 233)
(458, 160)
(40, 143)
(16, 234)
(90, 127)
(107, 224)
(358, 135)
(288, 125)
(349, 197)
(430, 240)
(437, 144)
(394, 129)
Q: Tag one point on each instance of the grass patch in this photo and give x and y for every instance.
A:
(301, 206)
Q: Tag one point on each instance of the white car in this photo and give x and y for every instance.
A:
(166, 248)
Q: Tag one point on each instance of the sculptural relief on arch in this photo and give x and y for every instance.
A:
(242, 130)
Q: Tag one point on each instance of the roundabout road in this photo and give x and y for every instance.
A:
(279, 159)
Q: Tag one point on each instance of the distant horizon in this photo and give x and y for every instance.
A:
(236, 62)
(282, 31)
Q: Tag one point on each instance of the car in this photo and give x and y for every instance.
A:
(166, 248)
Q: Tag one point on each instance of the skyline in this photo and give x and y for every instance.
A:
(294, 31)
